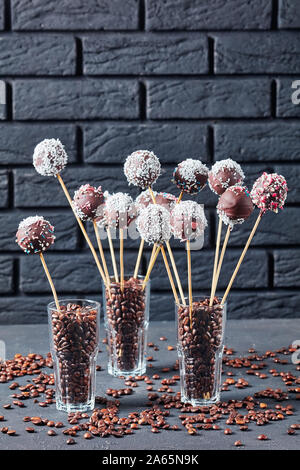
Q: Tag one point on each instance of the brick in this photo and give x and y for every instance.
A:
(1, 14)
(94, 14)
(145, 54)
(70, 274)
(262, 141)
(288, 14)
(162, 306)
(17, 141)
(64, 223)
(28, 183)
(265, 304)
(75, 99)
(208, 98)
(216, 14)
(23, 310)
(287, 268)
(253, 53)
(253, 274)
(23, 54)
(292, 175)
(2, 100)
(170, 142)
(284, 106)
(275, 229)
(6, 275)
(4, 188)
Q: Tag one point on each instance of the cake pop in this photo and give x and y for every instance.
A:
(87, 200)
(235, 205)
(142, 168)
(188, 221)
(269, 192)
(49, 157)
(153, 224)
(35, 235)
(166, 200)
(224, 174)
(119, 210)
(190, 176)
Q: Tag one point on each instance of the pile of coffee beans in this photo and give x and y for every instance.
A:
(75, 345)
(199, 342)
(125, 320)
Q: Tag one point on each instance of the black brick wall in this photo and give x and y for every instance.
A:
(184, 78)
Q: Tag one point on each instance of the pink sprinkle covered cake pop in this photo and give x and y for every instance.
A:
(224, 174)
(190, 176)
(166, 200)
(269, 192)
(153, 224)
(86, 201)
(235, 205)
(35, 235)
(119, 210)
(142, 168)
(49, 157)
(188, 221)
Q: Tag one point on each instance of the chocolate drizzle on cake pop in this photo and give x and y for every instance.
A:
(86, 201)
(269, 192)
(190, 176)
(35, 235)
(224, 174)
(49, 157)
(166, 200)
(142, 168)
(188, 221)
(119, 210)
(235, 205)
(153, 224)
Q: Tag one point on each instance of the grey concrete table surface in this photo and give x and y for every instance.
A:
(240, 334)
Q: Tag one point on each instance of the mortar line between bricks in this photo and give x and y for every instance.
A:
(16, 276)
(274, 17)
(148, 76)
(166, 32)
(7, 15)
(273, 97)
(211, 55)
(79, 57)
(271, 270)
(142, 15)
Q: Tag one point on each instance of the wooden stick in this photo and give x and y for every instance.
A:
(176, 273)
(180, 197)
(172, 260)
(241, 258)
(170, 275)
(121, 235)
(82, 228)
(138, 261)
(216, 260)
(220, 262)
(189, 263)
(50, 281)
(112, 253)
(101, 252)
(151, 263)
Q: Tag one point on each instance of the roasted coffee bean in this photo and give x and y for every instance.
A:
(238, 443)
(51, 432)
(227, 431)
(11, 432)
(88, 435)
(262, 437)
(29, 429)
(70, 442)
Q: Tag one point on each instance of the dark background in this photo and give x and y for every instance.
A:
(205, 79)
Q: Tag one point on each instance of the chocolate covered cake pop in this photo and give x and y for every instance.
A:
(166, 200)
(188, 221)
(235, 205)
(153, 224)
(190, 176)
(224, 174)
(269, 192)
(35, 235)
(142, 168)
(119, 210)
(86, 201)
(49, 157)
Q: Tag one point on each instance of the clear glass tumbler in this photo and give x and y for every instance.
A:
(200, 344)
(126, 314)
(74, 344)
